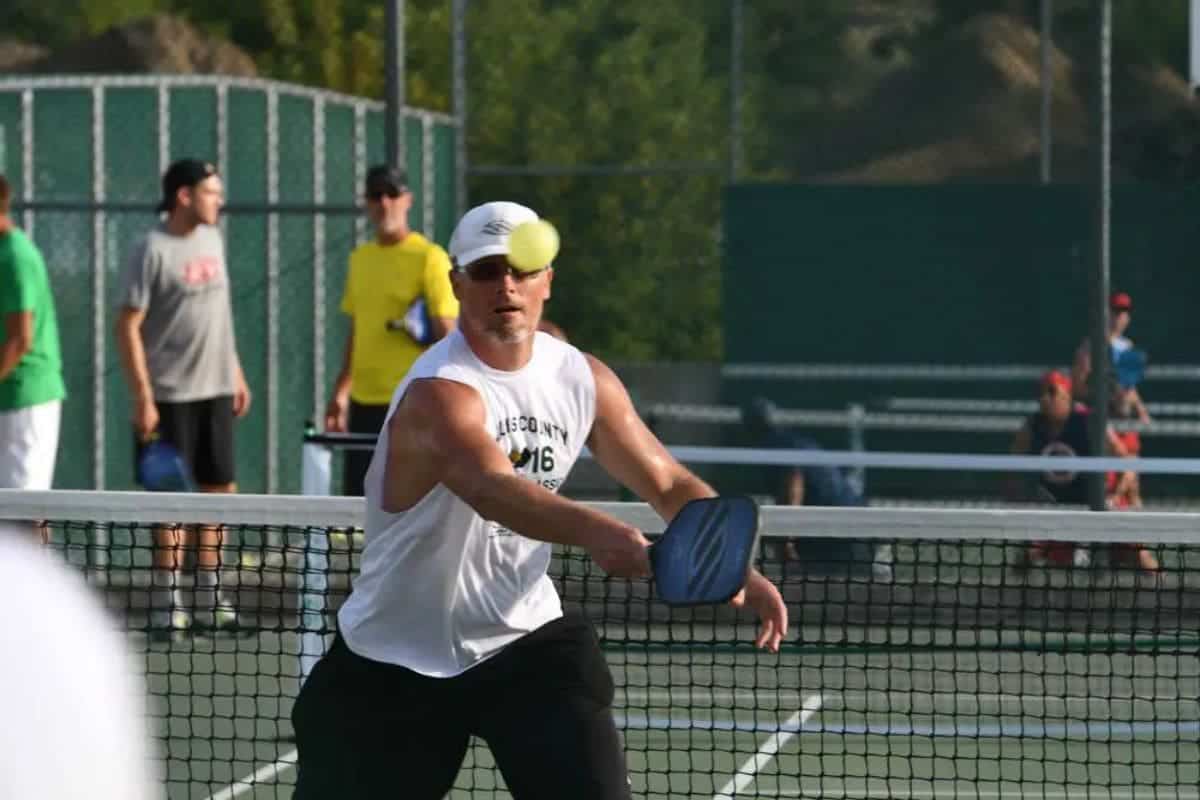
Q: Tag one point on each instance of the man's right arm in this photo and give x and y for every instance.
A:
(17, 341)
(338, 411)
(16, 313)
(137, 374)
(438, 436)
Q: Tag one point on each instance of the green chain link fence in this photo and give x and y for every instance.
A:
(84, 156)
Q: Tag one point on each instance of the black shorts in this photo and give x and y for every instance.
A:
(202, 432)
(363, 419)
(365, 729)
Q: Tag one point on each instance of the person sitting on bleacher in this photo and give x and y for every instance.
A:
(1123, 490)
(1060, 428)
(1120, 308)
(813, 485)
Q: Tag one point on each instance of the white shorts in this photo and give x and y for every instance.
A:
(29, 446)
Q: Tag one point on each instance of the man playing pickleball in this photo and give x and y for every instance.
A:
(454, 628)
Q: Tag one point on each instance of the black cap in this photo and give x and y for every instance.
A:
(183, 174)
(384, 179)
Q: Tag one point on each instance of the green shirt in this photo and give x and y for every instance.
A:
(24, 286)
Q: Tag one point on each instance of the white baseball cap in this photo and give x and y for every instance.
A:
(483, 231)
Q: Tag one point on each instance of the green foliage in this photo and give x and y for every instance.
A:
(607, 82)
(1151, 31)
(559, 83)
(591, 83)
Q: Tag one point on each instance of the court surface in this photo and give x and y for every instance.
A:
(724, 722)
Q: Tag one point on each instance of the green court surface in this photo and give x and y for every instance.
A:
(720, 721)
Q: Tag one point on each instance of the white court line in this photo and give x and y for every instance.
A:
(757, 695)
(749, 770)
(1099, 731)
(264, 774)
(781, 734)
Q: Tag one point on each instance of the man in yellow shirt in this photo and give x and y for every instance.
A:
(399, 301)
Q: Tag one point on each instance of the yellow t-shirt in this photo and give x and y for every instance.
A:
(381, 283)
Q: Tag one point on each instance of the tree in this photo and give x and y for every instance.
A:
(592, 82)
(563, 83)
(598, 82)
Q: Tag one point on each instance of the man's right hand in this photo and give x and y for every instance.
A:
(622, 554)
(145, 418)
(337, 415)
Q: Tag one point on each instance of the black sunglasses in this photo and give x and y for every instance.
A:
(376, 196)
(493, 269)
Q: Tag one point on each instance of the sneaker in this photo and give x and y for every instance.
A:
(225, 619)
(178, 626)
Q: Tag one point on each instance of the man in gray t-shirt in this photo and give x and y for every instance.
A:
(175, 335)
(181, 286)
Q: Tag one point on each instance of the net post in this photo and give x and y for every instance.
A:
(316, 473)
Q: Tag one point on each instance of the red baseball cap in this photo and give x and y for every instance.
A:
(1056, 379)
(1120, 301)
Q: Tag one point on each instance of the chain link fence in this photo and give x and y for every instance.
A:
(84, 156)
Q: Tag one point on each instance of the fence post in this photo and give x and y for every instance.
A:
(273, 315)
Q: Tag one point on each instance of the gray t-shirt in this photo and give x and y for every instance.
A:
(183, 286)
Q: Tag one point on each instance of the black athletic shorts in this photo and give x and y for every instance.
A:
(365, 729)
(202, 432)
(363, 419)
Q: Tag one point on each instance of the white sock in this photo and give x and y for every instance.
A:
(209, 595)
(206, 590)
(164, 596)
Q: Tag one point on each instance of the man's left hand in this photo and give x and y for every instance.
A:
(761, 595)
(241, 396)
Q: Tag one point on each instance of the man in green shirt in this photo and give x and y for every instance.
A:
(31, 380)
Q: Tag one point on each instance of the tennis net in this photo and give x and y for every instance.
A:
(933, 653)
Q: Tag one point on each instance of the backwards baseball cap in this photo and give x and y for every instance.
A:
(483, 231)
(183, 174)
(1056, 379)
(384, 179)
(1120, 301)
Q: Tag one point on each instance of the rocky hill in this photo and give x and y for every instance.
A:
(969, 109)
(157, 44)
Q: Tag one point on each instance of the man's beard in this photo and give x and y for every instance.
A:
(512, 335)
(391, 227)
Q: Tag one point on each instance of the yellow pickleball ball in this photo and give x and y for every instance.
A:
(532, 245)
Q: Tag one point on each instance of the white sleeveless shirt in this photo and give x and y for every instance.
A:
(441, 588)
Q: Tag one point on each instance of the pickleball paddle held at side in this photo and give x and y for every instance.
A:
(703, 557)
